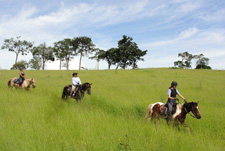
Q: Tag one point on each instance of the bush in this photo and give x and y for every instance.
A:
(203, 67)
(20, 64)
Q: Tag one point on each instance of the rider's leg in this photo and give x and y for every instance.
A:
(169, 111)
(21, 80)
(71, 92)
(75, 90)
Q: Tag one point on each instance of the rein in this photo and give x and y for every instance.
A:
(190, 113)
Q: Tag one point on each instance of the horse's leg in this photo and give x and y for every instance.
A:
(176, 124)
(185, 126)
(148, 116)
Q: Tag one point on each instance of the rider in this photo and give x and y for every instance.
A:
(75, 83)
(22, 77)
(172, 92)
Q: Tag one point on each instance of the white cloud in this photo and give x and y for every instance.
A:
(215, 16)
(70, 20)
(211, 43)
(183, 35)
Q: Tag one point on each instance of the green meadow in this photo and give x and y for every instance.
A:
(113, 117)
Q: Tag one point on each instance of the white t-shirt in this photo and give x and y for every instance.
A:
(76, 81)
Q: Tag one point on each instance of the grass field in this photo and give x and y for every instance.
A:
(112, 118)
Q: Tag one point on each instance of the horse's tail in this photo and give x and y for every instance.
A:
(9, 83)
(148, 111)
(64, 92)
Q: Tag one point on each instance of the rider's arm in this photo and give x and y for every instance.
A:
(80, 81)
(169, 97)
(181, 96)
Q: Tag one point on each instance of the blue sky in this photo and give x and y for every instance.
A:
(164, 28)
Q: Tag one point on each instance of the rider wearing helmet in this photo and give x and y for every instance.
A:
(172, 92)
(75, 83)
(22, 77)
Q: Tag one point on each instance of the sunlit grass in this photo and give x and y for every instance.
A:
(112, 118)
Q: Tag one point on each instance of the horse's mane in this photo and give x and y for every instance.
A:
(85, 83)
(187, 106)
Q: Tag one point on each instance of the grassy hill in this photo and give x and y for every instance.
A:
(112, 118)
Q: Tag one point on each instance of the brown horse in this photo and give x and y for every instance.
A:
(25, 85)
(79, 93)
(159, 109)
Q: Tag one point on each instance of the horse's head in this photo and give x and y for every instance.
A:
(193, 107)
(32, 82)
(87, 86)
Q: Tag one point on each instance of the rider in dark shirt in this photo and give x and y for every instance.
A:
(172, 92)
(22, 77)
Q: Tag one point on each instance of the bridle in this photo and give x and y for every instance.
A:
(194, 116)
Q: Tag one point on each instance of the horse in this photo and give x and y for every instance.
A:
(25, 85)
(79, 93)
(159, 109)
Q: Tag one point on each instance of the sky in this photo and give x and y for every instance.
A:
(164, 28)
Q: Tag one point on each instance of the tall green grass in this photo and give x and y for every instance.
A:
(112, 118)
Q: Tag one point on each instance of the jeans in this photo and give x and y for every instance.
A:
(170, 104)
(21, 80)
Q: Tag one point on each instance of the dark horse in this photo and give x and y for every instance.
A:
(179, 115)
(80, 92)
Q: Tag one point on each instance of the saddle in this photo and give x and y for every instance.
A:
(164, 108)
(17, 81)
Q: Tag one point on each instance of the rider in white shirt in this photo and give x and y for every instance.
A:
(75, 82)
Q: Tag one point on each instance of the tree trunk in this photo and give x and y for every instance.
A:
(117, 66)
(43, 66)
(60, 64)
(97, 65)
(43, 55)
(109, 65)
(16, 58)
(68, 64)
(80, 61)
(134, 65)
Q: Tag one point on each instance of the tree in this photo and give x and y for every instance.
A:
(17, 46)
(185, 60)
(178, 64)
(63, 51)
(202, 62)
(35, 63)
(83, 46)
(97, 56)
(129, 52)
(43, 53)
(20, 64)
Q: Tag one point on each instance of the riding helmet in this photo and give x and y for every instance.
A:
(174, 83)
(74, 73)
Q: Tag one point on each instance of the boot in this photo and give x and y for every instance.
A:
(17, 85)
(168, 119)
(74, 93)
(71, 94)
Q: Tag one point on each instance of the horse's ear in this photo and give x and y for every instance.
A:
(197, 102)
(91, 83)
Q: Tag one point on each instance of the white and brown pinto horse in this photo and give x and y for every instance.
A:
(25, 85)
(159, 109)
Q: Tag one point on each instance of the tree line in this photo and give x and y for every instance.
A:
(126, 54)
(186, 60)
